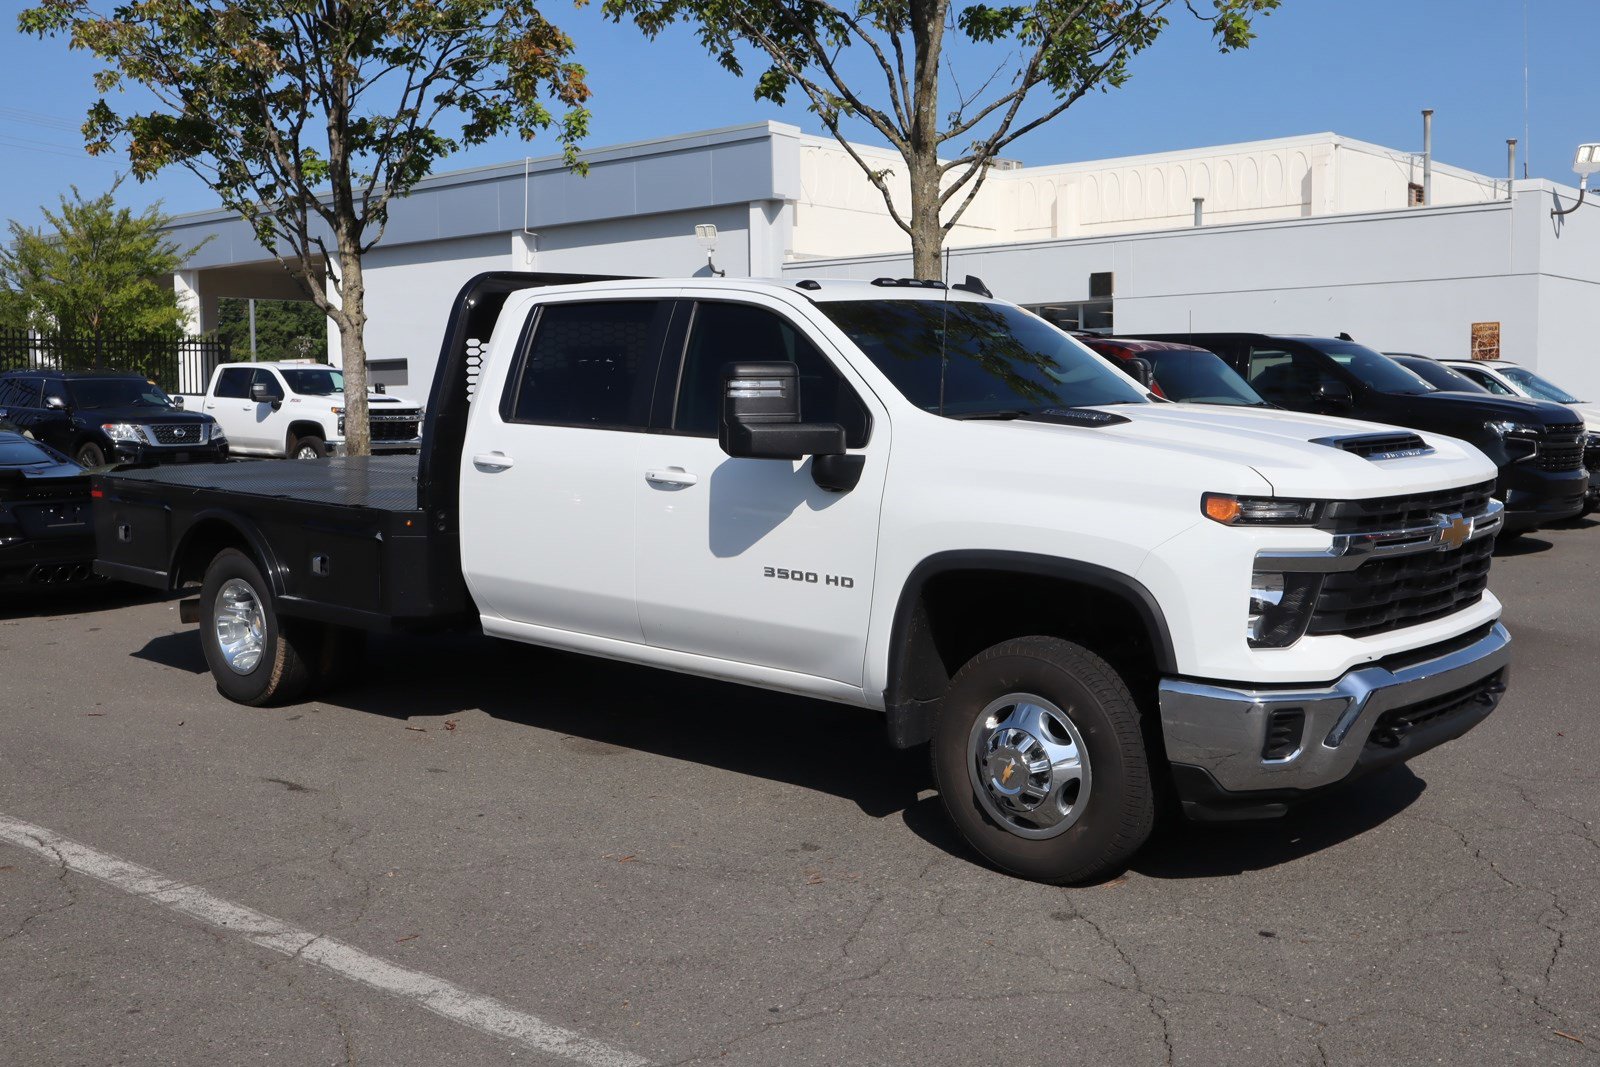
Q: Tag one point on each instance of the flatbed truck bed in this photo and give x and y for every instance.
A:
(345, 539)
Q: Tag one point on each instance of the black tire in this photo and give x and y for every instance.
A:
(308, 447)
(283, 673)
(90, 455)
(1120, 810)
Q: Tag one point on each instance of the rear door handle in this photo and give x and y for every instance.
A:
(492, 461)
(671, 476)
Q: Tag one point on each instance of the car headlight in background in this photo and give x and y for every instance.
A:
(1509, 428)
(1257, 511)
(1280, 607)
(121, 431)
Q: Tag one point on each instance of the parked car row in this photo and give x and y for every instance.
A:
(1543, 442)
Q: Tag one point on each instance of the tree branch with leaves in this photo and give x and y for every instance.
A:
(1059, 51)
(310, 117)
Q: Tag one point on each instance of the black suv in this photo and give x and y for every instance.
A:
(99, 418)
(1537, 446)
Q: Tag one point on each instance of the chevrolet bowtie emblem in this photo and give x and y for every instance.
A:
(1454, 533)
(1005, 775)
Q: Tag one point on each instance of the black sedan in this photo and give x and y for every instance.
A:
(46, 532)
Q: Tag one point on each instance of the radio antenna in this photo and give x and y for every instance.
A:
(944, 330)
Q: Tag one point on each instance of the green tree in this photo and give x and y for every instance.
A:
(308, 117)
(884, 62)
(94, 270)
(285, 329)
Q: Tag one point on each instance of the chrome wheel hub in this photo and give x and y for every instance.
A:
(1029, 766)
(241, 626)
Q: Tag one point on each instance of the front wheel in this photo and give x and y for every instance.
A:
(1041, 763)
(256, 657)
(309, 447)
(90, 455)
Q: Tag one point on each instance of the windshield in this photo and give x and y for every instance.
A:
(997, 359)
(1439, 376)
(90, 393)
(1374, 368)
(1196, 377)
(1537, 387)
(313, 381)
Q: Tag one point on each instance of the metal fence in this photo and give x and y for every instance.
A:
(177, 364)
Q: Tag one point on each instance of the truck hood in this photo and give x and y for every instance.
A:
(1477, 408)
(1280, 446)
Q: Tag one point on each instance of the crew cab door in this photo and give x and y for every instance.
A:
(748, 560)
(230, 404)
(550, 467)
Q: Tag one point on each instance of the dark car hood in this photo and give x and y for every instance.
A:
(135, 413)
(1479, 406)
(40, 471)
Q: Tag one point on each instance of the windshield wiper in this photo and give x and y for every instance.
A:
(999, 415)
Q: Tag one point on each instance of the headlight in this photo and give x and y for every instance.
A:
(217, 436)
(1280, 607)
(1257, 511)
(121, 431)
(1508, 428)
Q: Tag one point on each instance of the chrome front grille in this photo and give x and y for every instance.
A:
(177, 434)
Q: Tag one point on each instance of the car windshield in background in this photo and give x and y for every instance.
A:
(1193, 377)
(1374, 368)
(17, 452)
(997, 359)
(91, 393)
(1536, 386)
(314, 381)
(1438, 375)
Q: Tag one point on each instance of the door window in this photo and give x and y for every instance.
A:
(589, 364)
(266, 378)
(1289, 379)
(737, 333)
(234, 384)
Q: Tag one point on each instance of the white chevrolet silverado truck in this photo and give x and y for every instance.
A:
(915, 499)
(296, 409)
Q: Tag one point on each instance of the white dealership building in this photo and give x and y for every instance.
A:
(1317, 234)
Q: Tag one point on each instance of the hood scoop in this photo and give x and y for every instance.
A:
(1078, 417)
(1378, 446)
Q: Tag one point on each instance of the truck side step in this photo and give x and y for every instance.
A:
(189, 610)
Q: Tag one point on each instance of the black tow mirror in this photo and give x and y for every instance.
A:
(262, 393)
(177, 401)
(1140, 369)
(1334, 394)
(761, 415)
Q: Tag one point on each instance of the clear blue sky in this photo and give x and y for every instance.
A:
(1363, 68)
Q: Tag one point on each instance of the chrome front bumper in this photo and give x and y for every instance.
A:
(1222, 730)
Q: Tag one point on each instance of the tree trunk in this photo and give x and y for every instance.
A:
(353, 345)
(927, 236)
(922, 150)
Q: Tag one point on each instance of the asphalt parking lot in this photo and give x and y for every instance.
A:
(486, 853)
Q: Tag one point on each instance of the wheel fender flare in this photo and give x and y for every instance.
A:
(259, 548)
(910, 717)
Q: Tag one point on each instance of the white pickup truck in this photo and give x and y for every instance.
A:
(295, 409)
(918, 500)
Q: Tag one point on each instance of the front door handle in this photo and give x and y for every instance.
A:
(492, 461)
(671, 476)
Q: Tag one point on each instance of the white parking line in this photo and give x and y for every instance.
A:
(435, 994)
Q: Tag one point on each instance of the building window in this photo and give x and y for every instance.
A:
(1093, 316)
(1413, 195)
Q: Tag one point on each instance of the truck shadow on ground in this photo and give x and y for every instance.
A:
(1520, 545)
(781, 738)
(730, 727)
(42, 602)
